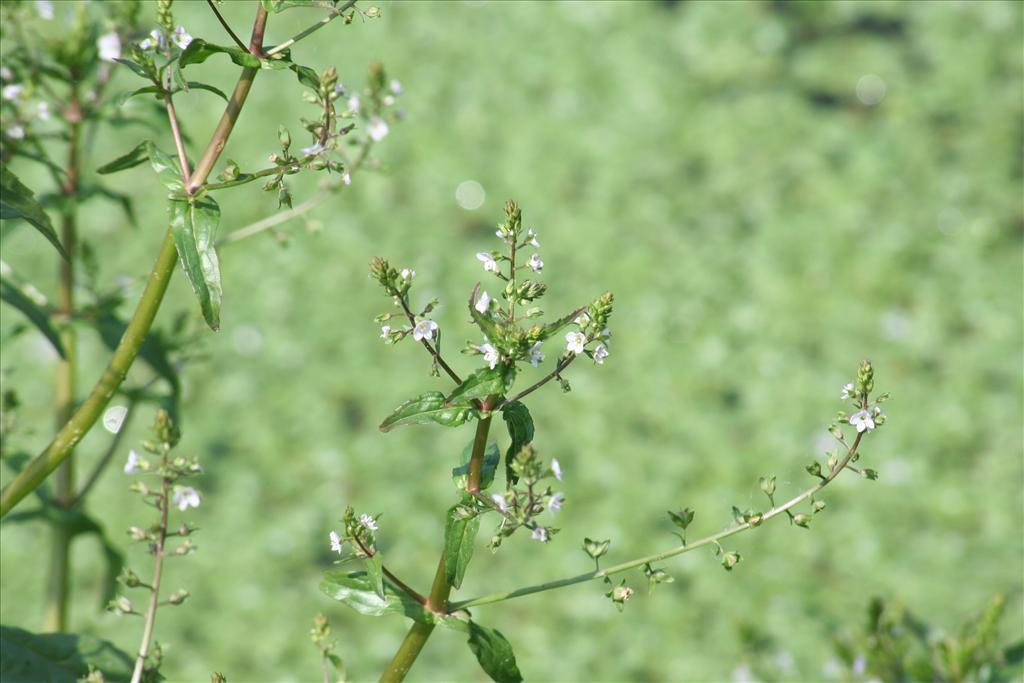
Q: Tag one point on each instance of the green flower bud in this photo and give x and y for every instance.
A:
(595, 549)
(768, 485)
(284, 137)
(814, 468)
(164, 428)
(682, 518)
(817, 506)
(869, 474)
(178, 597)
(730, 560)
(865, 378)
(802, 520)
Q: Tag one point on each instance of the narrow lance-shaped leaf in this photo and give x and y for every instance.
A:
(494, 653)
(483, 383)
(459, 536)
(356, 590)
(58, 657)
(17, 201)
(492, 456)
(520, 431)
(306, 76)
(429, 407)
(553, 328)
(133, 158)
(166, 168)
(13, 295)
(194, 227)
(198, 51)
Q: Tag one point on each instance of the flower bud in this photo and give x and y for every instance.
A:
(865, 378)
(730, 560)
(768, 485)
(129, 578)
(802, 520)
(814, 468)
(817, 506)
(284, 137)
(595, 549)
(178, 596)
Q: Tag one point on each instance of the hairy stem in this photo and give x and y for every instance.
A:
(55, 613)
(63, 444)
(664, 555)
(154, 587)
(437, 602)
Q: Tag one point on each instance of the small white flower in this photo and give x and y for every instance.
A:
(862, 420)
(385, 332)
(132, 466)
(339, 89)
(531, 238)
(848, 392)
(500, 501)
(483, 303)
(555, 504)
(396, 87)
(377, 129)
(114, 418)
(109, 45)
(600, 353)
(368, 522)
(540, 534)
(583, 319)
(490, 265)
(408, 274)
(556, 468)
(16, 133)
(156, 40)
(5, 73)
(13, 91)
(353, 103)
(43, 111)
(490, 354)
(313, 150)
(535, 355)
(181, 37)
(45, 9)
(388, 100)
(186, 497)
(535, 263)
(346, 178)
(574, 342)
(424, 329)
(335, 542)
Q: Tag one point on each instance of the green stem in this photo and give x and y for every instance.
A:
(55, 614)
(664, 555)
(437, 602)
(335, 13)
(85, 417)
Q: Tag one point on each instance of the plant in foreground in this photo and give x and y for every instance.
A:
(511, 336)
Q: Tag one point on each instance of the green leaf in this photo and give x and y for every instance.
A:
(356, 590)
(307, 76)
(134, 66)
(429, 407)
(375, 573)
(483, 383)
(166, 168)
(198, 51)
(154, 350)
(194, 227)
(13, 295)
(547, 331)
(520, 431)
(492, 650)
(58, 657)
(492, 456)
(146, 90)
(196, 85)
(281, 5)
(17, 201)
(133, 158)
(459, 535)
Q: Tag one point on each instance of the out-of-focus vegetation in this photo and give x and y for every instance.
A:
(773, 191)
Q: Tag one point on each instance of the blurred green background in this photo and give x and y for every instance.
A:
(773, 191)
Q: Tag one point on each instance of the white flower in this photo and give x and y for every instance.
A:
(483, 303)
(540, 534)
(408, 274)
(555, 504)
(45, 9)
(335, 542)
(114, 418)
(535, 263)
(339, 89)
(16, 133)
(43, 111)
(424, 330)
(862, 420)
(5, 73)
(385, 332)
(156, 40)
(531, 238)
(556, 468)
(490, 354)
(109, 45)
(368, 522)
(313, 150)
(848, 392)
(388, 100)
(186, 497)
(600, 353)
(132, 466)
(396, 87)
(181, 37)
(583, 319)
(535, 355)
(377, 129)
(353, 103)
(346, 178)
(13, 91)
(500, 501)
(574, 342)
(490, 265)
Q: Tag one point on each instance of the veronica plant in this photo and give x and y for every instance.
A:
(511, 333)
